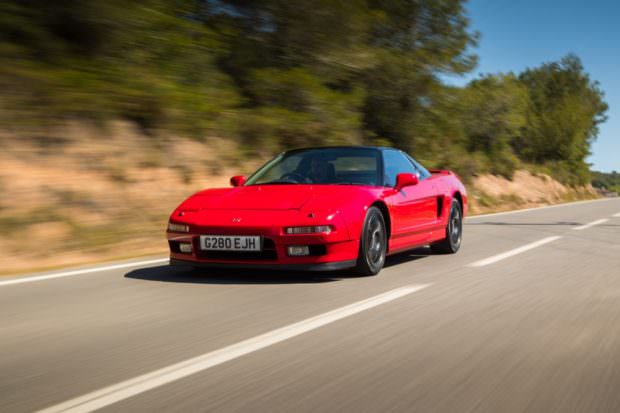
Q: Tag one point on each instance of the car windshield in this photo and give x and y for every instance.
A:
(343, 166)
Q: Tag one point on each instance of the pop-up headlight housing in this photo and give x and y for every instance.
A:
(316, 229)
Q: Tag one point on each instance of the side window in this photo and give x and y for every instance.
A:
(424, 173)
(394, 163)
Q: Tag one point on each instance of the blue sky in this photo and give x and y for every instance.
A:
(516, 34)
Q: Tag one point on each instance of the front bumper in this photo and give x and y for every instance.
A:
(338, 254)
(332, 250)
(322, 266)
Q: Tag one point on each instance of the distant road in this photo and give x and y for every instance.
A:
(526, 317)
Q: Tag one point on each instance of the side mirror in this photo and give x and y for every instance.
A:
(237, 180)
(403, 180)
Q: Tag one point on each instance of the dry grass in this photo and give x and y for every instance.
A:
(490, 193)
(83, 193)
(96, 193)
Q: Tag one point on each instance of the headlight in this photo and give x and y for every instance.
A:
(172, 227)
(317, 229)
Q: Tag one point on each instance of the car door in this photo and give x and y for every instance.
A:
(414, 208)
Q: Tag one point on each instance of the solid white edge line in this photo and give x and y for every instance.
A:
(27, 279)
(23, 280)
(508, 254)
(518, 211)
(128, 388)
(590, 225)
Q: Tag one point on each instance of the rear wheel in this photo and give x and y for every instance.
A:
(373, 244)
(454, 231)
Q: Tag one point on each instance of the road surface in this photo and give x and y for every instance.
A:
(526, 317)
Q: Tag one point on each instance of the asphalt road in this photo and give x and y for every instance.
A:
(526, 317)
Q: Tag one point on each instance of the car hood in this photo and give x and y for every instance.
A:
(272, 197)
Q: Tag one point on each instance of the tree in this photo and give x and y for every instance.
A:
(493, 111)
(387, 52)
(565, 110)
(414, 41)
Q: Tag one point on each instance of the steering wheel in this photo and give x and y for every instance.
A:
(293, 176)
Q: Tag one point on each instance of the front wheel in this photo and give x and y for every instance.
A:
(454, 231)
(373, 244)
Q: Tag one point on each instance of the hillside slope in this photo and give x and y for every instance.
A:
(491, 193)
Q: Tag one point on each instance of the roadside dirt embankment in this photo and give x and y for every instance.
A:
(83, 193)
(490, 193)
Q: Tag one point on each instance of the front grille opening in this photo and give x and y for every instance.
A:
(268, 253)
(317, 250)
(174, 247)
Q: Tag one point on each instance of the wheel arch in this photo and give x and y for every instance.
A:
(386, 217)
(457, 195)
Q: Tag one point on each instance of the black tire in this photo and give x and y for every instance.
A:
(373, 244)
(454, 231)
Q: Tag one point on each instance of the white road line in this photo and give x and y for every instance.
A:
(617, 215)
(123, 390)
(27, 279)
(83, 271)
(518, 211)
(590, 225)
(507, 254)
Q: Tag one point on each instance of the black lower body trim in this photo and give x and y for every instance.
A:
(321, 266)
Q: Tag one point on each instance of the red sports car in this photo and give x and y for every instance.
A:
(321, 209)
